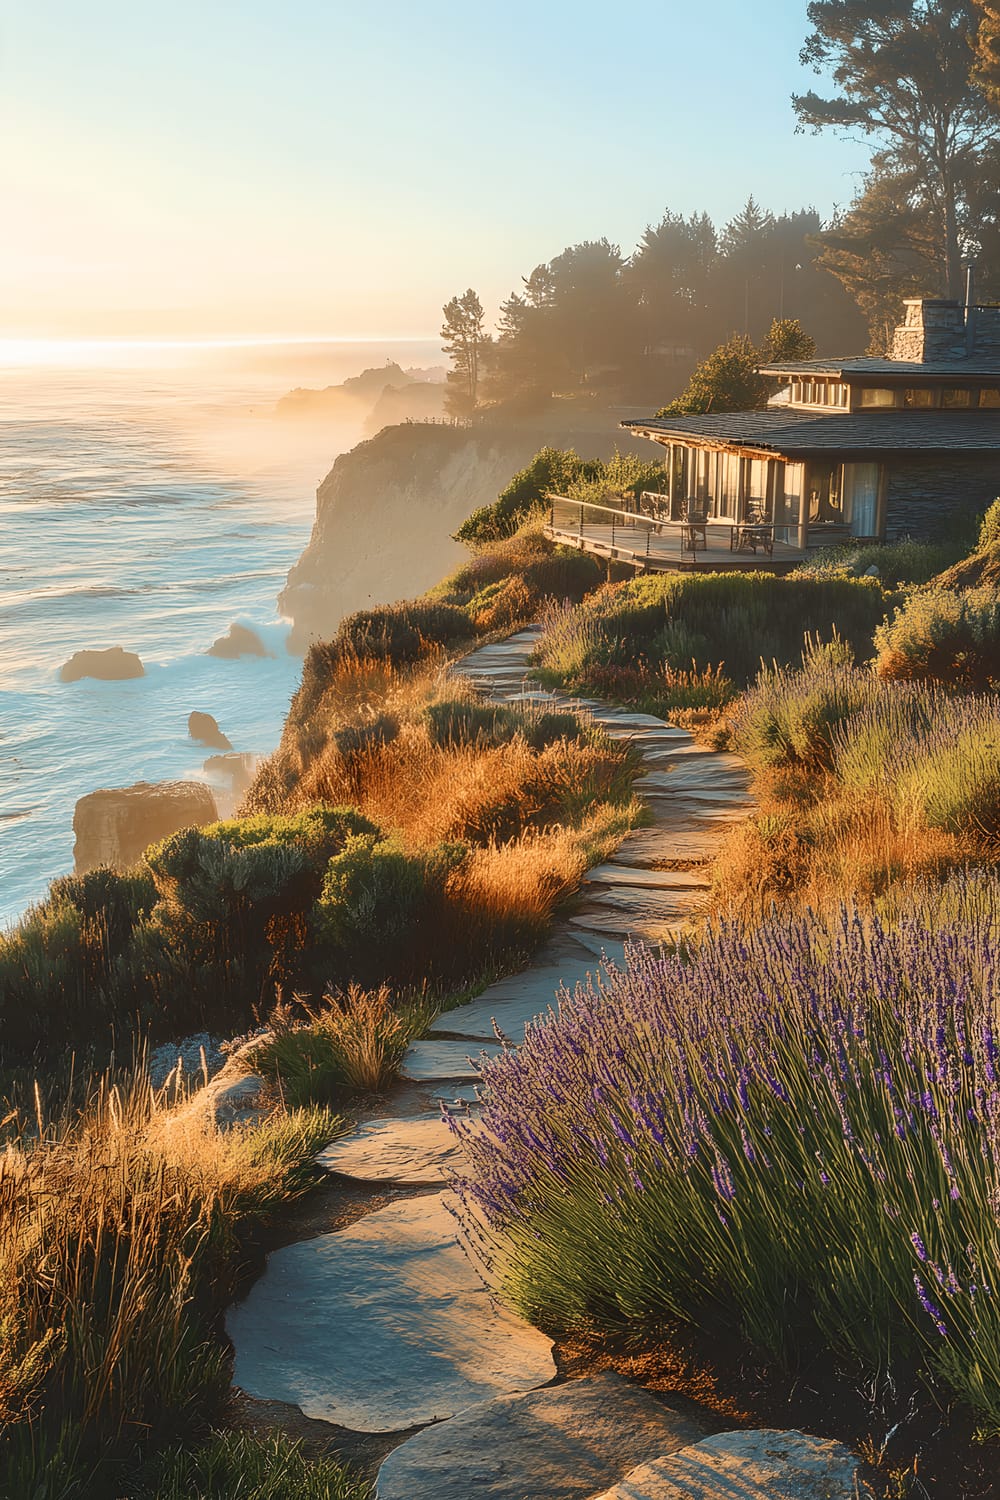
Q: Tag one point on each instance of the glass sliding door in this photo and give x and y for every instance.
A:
(861, 486)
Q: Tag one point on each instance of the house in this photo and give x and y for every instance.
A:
(863, 447)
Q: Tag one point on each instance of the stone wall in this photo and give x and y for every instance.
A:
(925, 498)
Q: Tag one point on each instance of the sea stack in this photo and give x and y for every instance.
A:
(239, 640)
(204, 730)
(114, 827)
(113, 665)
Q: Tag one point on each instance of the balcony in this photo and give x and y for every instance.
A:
(652, 544)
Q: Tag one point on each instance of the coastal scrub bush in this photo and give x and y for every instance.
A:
(989, 528)
(942, 635)
(815, 1162)
(551, 470)
(235, 909)
(871, 782)
(61, 977)
(402, 632)
(378, 899)
(466, 721)
(789, 718)
(898, 563)
(729, 622)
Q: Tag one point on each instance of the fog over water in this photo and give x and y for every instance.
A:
(148, 498)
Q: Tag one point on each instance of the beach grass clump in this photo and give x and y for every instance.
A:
(248, 1466)
(123, 1227)
(943, 635)
(814, 1163)
(350, 1043)
(724, 623)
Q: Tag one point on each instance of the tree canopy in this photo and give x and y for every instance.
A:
(905, 76)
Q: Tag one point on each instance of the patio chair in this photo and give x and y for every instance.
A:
(695, 519)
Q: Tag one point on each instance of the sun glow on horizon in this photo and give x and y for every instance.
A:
(72, 352)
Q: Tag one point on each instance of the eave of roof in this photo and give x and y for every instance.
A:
(799, 434)
(977, 367)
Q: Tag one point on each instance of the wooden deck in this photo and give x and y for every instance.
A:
(658, 549)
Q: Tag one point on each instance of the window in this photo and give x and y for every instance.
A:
(823, 491)
(872, 395)
(989, 396)
(921, 395)
(956, 396)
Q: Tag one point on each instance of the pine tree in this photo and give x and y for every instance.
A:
(465, 342)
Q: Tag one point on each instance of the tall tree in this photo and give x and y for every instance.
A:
(988, 50)
(465, 342)
(904, 70)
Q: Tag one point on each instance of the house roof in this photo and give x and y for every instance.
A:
(980, 367)
(800, 433)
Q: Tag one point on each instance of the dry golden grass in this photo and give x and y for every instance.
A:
(813, 843)
(425, 792)
(115, 1230)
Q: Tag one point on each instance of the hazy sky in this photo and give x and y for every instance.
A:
(214, 167)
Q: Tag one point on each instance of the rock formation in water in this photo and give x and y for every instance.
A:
(239, 769)
(239, 640)
(386, 512)
(204, 730)
(113, 665)
(114, 827)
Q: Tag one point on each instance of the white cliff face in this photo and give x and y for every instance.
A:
(386, 512)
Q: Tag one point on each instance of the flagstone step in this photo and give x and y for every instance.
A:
(761, 1465)
(667, 880)
(434, 1061)
(561, 1443)
(412, 1150)
(382, 1326)
(515, 1002)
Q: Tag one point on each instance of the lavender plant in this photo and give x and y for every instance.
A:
(796, 1133)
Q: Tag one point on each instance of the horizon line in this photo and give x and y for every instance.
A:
(223, 341)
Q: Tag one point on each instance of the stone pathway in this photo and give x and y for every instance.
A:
(385, 1326)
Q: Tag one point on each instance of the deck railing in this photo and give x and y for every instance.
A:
(627, 530)
(630, 530)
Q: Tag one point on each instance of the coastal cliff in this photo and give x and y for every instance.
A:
(386, 512)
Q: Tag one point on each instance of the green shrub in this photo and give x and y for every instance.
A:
(353, 1043)
(941, 635)
(550, 470)
(463, 721)
(402, 632)
(377, 899)
(235, 911)
(957, 786)
(247, 1466)
(790, 718)
(730, 621)
(897, 562)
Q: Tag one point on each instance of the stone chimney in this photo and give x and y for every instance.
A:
(934, 330)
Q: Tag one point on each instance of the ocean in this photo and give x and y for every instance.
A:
(149, 497)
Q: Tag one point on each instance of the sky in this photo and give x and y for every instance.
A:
(314, 168)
